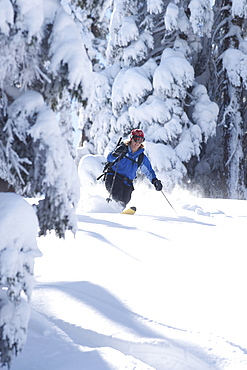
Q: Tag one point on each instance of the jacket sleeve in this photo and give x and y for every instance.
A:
(147, 169)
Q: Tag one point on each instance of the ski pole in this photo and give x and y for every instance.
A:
(107, 167)
(113, 181)
(109, 164)
(168, 201)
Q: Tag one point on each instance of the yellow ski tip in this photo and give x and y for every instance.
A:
(129, 211)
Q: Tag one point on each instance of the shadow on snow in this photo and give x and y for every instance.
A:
(105, 303)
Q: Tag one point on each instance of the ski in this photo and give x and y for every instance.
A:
(129, 211)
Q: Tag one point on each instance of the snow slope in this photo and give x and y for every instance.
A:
(157, 290)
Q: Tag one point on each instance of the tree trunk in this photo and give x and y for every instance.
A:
(5, 187)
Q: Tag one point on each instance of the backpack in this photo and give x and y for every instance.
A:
(139, 160)
(109, 164)
(140, 157)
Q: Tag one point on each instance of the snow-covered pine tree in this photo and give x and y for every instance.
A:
(92, 18)
(150, 83)
(223, 168)
(43, 66)
(18, 248)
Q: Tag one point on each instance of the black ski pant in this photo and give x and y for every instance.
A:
(119, 191)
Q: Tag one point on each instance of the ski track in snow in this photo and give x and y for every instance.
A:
(155, 351)
(97, 319)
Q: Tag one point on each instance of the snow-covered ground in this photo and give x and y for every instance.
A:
(158, 290)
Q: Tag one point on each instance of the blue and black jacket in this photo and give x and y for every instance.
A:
(128, 165)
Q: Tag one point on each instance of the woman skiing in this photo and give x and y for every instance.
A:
(127, 158)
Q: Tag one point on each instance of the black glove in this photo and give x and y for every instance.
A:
(157, 184)
(120, 151)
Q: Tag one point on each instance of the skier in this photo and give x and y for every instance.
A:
(127, 158)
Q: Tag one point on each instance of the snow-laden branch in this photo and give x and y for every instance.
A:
(201, 16)
(235, 64)
(132, 85)
(66, 47)
(239, 8)
(173, 76)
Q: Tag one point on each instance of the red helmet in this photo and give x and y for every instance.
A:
(137, 132)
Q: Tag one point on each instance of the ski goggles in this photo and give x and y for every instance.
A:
(138, 139)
